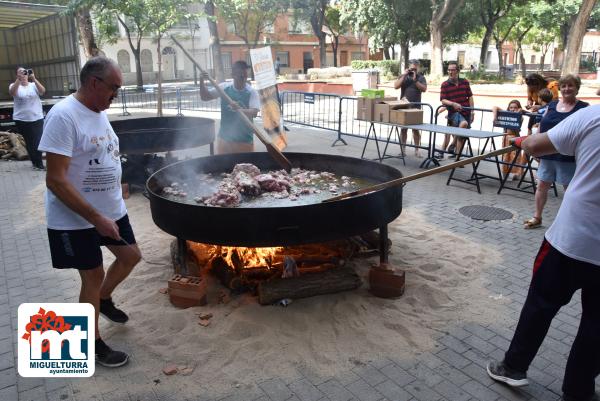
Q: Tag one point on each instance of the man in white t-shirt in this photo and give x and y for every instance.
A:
(84, 203)
(568, 260)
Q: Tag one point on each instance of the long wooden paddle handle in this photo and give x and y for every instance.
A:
(276, 153)
(224, 95)
(426, 173)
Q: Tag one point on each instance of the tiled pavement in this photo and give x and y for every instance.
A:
(452, 370)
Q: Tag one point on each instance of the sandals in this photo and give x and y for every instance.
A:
(533, 222)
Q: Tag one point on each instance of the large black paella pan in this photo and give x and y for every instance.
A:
(274, 223)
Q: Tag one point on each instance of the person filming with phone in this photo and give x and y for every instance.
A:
(411, 84)
(28, 113)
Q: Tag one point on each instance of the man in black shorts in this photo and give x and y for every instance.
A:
(84, 203)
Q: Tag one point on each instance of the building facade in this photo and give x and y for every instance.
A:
(294, 44)
(175, 65)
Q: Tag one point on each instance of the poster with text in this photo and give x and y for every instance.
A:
(266, 85)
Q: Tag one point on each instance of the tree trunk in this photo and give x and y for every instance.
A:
(322, 51)
(86, 33)
(437, 66)
(193, 32)
(522, 60)
(485, 43)
(386, 53)
(575, 38)
(542, 59)
(404, 52)
(159, 112)
(135, 50)
(442, 16)
(335, 43)
(500, 57)
(214, 43)
(138, 68)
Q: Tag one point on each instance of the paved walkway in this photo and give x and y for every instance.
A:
(452, 370)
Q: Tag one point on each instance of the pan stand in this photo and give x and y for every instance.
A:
(383, 241)
(182, 255)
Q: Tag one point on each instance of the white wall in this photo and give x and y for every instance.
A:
(423, 50)
(183, 65)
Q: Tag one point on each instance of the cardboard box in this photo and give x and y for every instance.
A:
(365, 107)
(381, 113)
(382, 110)
(406, 117)
(373, 93)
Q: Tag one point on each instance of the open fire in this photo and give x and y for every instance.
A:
(241, 268)
(246, 257)
(282, 272)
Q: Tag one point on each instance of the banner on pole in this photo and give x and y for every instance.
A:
(266, 85)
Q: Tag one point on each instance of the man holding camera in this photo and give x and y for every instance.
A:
(411, 84)
(28, 113)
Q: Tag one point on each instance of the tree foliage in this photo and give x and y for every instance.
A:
(131, 15)
(250, 18)
(335, 28)
(313, 13)
(388, 22)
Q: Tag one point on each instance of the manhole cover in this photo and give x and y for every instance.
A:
(478, 212)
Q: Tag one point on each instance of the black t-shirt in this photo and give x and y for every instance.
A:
(409, 88)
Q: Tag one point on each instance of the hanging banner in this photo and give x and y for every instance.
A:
(266, 85)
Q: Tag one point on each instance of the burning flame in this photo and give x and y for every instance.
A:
(250, 257)
(237, 256)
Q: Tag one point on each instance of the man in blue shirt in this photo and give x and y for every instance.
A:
(234, 136)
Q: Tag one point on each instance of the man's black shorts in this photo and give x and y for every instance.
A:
(80, 249)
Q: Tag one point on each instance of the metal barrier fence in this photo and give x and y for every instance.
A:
(336, 113)
(172, 98)
(317, 110)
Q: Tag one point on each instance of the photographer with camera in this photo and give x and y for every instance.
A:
(28, 113)
(411, 84)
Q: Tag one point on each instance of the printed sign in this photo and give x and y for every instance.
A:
(56, 340)
(263, 67)
(266, 83)
(508, 119)
(309, 98)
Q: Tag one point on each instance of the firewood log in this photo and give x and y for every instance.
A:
(331, 281)
(18, 150)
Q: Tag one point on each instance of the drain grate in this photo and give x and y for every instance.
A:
(486, 213)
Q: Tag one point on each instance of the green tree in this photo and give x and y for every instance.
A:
(135, 21)
(334, 29)
(443, 13)
(490, 12)
(524, 21)
(389, 22)
(214, 42)
(164, 14)
(411, 19)
(373, 18)
(313, 12)
(250, 18)
(501, 32)
(572, 53)
(81, 12)
(570, 17)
